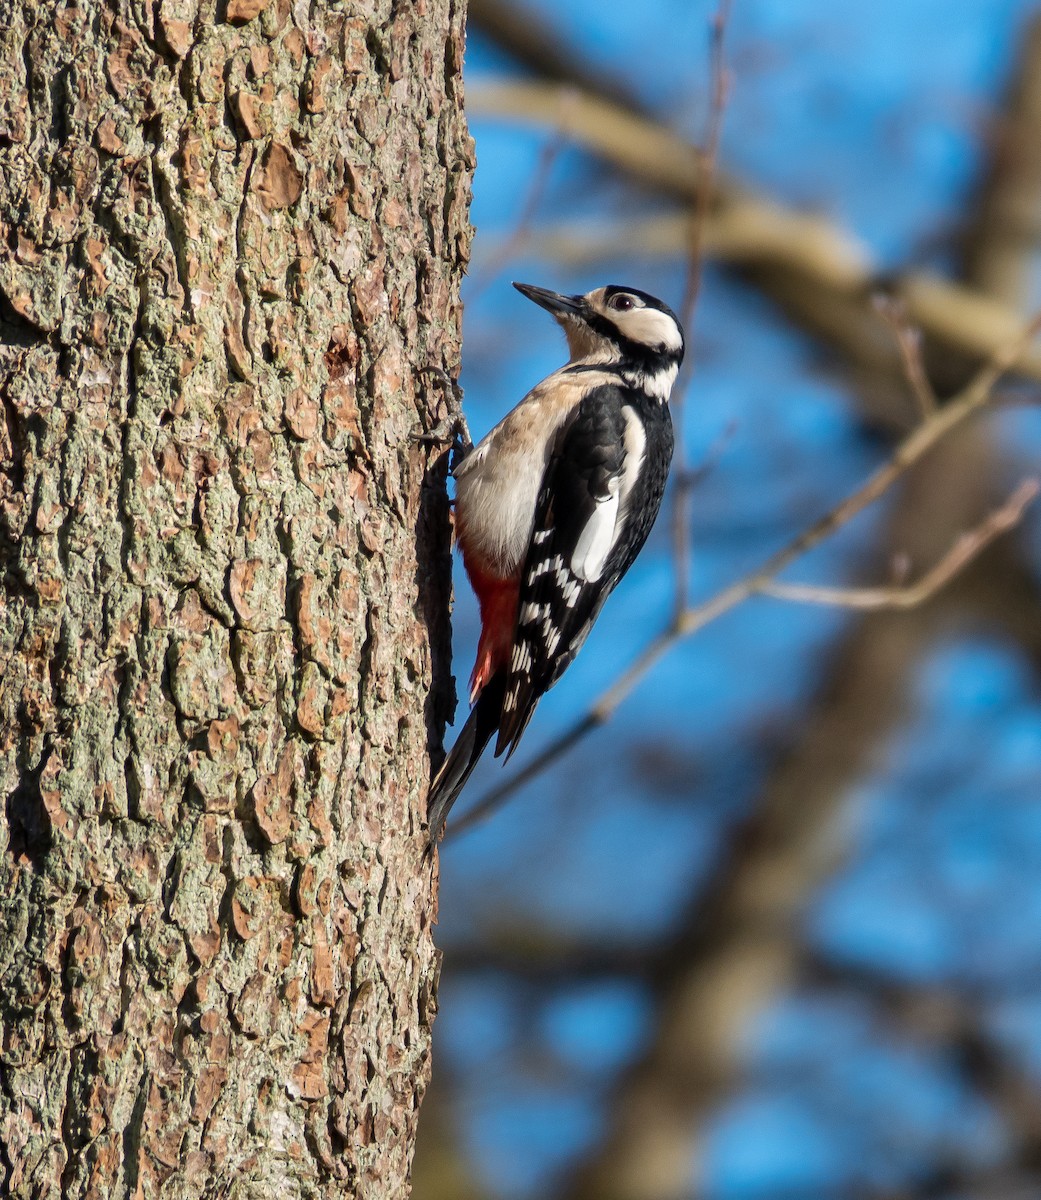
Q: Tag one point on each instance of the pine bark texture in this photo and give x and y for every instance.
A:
(230, 235)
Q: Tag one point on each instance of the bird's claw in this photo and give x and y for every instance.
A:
(452, 428)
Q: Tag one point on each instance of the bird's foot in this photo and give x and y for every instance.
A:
(453, 429)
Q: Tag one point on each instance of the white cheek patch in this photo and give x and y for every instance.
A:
(649, 327)
(596, 539)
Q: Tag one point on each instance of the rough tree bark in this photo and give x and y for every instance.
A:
(230, 233)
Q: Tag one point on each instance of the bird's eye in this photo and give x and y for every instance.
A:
(621, 302)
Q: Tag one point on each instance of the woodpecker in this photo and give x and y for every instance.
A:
(553, 506)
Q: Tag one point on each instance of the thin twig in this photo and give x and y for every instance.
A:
(913, 448)
(694, 477)
(708, 159)
(512, 245)
(962, 552)
(708, 156)
(909, 341)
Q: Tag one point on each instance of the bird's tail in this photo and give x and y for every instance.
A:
(480, 725)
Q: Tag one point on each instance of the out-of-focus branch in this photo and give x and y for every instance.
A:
(943, 1017)
(909, 340)
(816, 271)
(443, 1170)
(909, 452)
(961, 553)
(1004, 235)
(534, 44)
(642, 147)
(740, 942)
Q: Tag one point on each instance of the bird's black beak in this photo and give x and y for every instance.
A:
(554, 302)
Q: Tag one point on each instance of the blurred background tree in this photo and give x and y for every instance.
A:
(774, 932)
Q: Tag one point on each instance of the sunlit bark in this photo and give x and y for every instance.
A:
(231, 233)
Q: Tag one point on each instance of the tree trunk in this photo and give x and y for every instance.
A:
(231, 233)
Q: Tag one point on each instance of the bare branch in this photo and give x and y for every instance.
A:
(535, 43)
(1001, 240)
(909, 340)
(969, 546)
(708, 158)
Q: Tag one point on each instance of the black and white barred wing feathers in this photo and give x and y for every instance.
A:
(579, 548)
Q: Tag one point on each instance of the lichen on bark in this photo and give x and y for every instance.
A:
(230, 234)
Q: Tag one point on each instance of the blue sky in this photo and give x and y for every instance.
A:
(873, 115)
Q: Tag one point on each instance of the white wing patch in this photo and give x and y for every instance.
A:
(596, 539)
(635, 442)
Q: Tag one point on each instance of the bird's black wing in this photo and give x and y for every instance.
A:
(574, 558)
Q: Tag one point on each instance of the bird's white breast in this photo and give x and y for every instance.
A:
(497, 485)
(495, 505)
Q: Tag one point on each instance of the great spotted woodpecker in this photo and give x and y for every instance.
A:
(553, 506)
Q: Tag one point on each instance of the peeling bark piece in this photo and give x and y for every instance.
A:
(248, 110)
(238, 355)
(271, 810)
(241, 11)
(108, 139)
(314, 98)
(280, 183)
(301, 413)
(177, 34)
(222, 740)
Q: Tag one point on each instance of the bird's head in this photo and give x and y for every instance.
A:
(618, 325)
